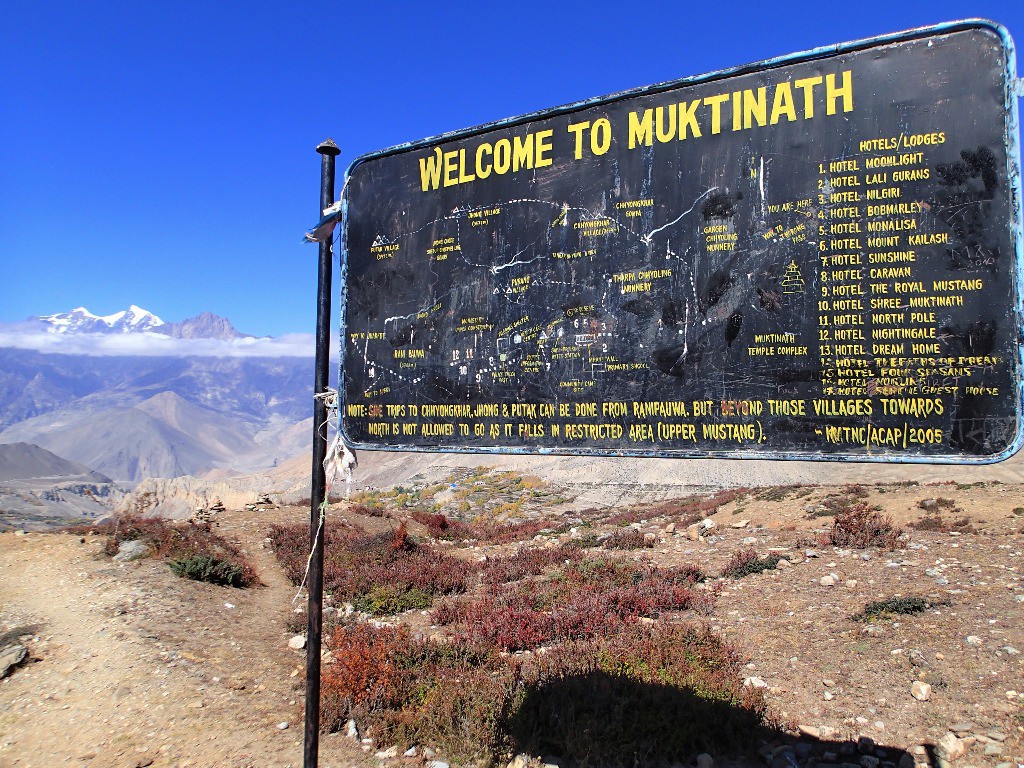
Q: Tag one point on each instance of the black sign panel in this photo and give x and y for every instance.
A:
(812, 258)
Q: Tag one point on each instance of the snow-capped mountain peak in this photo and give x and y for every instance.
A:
(81, 320)
(135, 319)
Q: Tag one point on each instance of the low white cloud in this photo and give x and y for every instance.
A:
(156, 345)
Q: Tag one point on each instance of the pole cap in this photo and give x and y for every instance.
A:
(328, 148)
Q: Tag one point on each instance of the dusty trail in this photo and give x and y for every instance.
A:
(133, 666)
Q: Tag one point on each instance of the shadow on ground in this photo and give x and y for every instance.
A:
(601, 719)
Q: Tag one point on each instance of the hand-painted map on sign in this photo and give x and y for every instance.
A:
(816, 258)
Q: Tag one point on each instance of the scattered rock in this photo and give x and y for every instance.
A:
(928, 504)
(704, 760)
(297, 643)
(993, 749)
(387, 754)
(869, 761)
(996, 735)
(754, 682)
(410, 752)
(707, 524)
(974, 640)
(519, 761)
(11, 657)
(197, 704)
(783, 564)
(283, 725)
(739, 524)
(851, 583)
(950, 747)
(827, 695)
(131, 550)
(827, 581)
(351, 730)
(693, 532)
(1009, 650)
(810, 553)
(437, 764)
(920, 690)
(809, 730)
(961, 728)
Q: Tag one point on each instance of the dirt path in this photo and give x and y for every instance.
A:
(133, 666)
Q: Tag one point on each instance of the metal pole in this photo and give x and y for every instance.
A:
(328, 151)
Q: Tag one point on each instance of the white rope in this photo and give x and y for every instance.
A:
(338, 459)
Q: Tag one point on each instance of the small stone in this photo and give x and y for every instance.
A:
(827, 581)
(297, 643)
(693, 532)
(410, 752)
(131, 550)
(670, 528)
(197, 704)
(996, 735)
(519, 761)
(993, 749)
(865, 744)
(928, 504)
(810, 553)
(351, 730)
(754, 682)
(809, 730)
(707, 524)
(974, 640)
(827, 695)
(961, 728)
(437, 764)
(739, 524)
(1004, 765)
(920, 690)
(851, 583)
(783, 564)
(950, 747)
(869, 761)
(828, 683)
(704, 760)
(879, 725)
(387, 754)
(283, 725)
(1009, 650)
(906, 761)
(11, 657)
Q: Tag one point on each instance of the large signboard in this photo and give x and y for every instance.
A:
(814, 257)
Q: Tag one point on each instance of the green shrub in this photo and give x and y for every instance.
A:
(209, 569)
(746, 563)
(886, 609)
(387, 600)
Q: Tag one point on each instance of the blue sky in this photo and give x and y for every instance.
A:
(163, 154)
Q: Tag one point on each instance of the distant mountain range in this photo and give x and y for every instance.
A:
(138, 320)
(135, 416)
